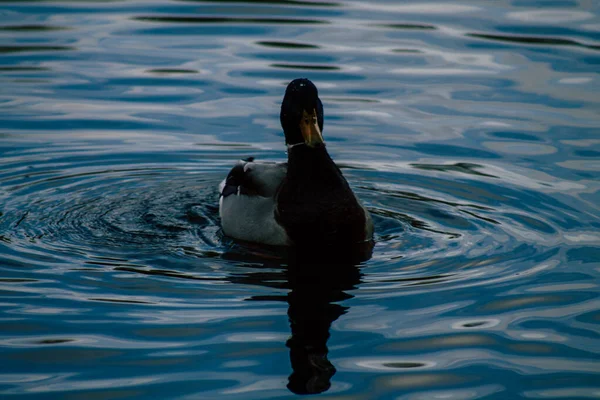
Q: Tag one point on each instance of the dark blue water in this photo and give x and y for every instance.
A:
(471, 130)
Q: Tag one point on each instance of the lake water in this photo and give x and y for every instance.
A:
(470, 130)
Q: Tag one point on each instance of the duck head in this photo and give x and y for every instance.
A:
(302, 114)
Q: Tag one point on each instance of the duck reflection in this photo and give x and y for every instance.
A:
(317, 283)
(315, 291)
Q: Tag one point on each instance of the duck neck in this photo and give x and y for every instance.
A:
(312, 164)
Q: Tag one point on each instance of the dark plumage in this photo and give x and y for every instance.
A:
(308, 202)
(315, 203)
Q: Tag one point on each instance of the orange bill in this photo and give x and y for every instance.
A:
(309, 127)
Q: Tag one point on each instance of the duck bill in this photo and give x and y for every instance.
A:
(309, 127)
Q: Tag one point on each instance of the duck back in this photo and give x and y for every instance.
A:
(315, 204)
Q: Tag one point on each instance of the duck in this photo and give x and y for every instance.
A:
(305, 202)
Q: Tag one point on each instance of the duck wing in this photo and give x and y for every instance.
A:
(253, 178)
(247, 202)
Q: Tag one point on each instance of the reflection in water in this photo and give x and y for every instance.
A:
(315, 289)
(282, 2)
(533, 40)
(21, 49)
(317, 281)
(463, 167)
(287, 45)
(226, 20)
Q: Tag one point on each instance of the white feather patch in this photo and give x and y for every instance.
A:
(251, 218)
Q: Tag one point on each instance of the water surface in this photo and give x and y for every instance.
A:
(470, 130)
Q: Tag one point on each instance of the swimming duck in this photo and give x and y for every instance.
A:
(305, 202)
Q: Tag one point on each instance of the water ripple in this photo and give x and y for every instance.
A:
(470, 132)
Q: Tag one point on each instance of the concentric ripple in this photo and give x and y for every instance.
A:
(124, 209)
(426, 225)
